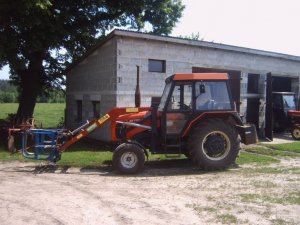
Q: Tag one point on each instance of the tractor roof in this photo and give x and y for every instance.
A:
(200, 76)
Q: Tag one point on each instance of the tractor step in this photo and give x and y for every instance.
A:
(173, 156)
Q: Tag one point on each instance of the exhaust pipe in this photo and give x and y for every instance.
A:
(137, 95)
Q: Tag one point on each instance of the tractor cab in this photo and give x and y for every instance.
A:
(282, 103)
(187, 98)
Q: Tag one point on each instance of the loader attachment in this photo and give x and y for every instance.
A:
(42, 144)
(49, 144)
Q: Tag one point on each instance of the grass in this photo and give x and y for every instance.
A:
(227, 218)
(85, 154)
(279, 221)
(6, 156)
(271, 152)
(291, 198)
(246, 158)
(290, 147)
(46, 114)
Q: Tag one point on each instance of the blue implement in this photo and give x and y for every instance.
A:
(41, 144)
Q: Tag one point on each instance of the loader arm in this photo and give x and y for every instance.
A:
(97, 123)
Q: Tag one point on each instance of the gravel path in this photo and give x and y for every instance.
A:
(43, 194)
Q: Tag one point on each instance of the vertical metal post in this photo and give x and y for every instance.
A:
(269, 109)
(137, 89)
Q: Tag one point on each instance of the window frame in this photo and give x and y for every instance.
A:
(163, 66)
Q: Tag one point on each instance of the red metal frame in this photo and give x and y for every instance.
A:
(201, 76)
(95, 124)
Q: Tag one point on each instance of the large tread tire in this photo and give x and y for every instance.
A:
(214, 145)
(128, 158)
(296, 133)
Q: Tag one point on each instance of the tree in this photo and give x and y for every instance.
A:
(40, 38)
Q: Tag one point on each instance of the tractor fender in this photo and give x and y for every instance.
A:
(140, 145)
(230, 117)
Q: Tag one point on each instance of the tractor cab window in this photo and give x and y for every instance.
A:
(212, 95)
(164, 97)
(289, 102)
(181, 98)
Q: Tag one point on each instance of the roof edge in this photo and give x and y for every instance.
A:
(178, 40)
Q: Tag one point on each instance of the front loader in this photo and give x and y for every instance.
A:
(195, 116)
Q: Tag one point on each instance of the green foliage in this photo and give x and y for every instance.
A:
(9, 94)
(54, 96)
(39, 39)
(59, 32)
(6, 86)
(8, 97)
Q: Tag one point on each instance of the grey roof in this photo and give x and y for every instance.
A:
(178, 40)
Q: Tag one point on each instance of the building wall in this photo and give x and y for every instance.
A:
(109, 73)
(94, 79)
(181, 58)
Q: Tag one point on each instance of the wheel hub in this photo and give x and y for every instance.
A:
(129, 160)
(296, 133)
(216, 145)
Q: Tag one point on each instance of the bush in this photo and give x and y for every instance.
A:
(7, 97)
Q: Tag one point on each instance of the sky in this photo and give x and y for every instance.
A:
(270, 25)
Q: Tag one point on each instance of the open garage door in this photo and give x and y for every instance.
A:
(269, 110)
(234, 81)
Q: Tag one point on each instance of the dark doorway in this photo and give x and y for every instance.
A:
(234, 82)
(252, 113)
(281, 84)
(253, 83)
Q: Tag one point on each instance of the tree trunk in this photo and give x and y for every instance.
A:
(30, 88)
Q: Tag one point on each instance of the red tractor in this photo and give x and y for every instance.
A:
(294, 116)
(195, 116)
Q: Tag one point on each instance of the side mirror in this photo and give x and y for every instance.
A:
(202, 88)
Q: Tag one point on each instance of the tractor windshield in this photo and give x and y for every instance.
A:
(289, 102)
(164, 97)
(214, 96)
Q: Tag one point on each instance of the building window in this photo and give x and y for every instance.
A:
(155, 65)
(79, 110)
(96, 109)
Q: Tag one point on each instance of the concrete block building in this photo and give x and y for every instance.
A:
(106, 76)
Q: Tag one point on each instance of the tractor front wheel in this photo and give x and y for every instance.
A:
(128, 158)
(214, 144)
(296, 133)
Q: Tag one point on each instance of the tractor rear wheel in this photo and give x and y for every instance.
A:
(214, 144)
(128, 158)
(296, 133)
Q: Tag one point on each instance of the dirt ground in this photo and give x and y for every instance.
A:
(251, 194)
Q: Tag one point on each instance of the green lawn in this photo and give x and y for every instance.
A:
(46, 114)
(85, 154)
(291, 147)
